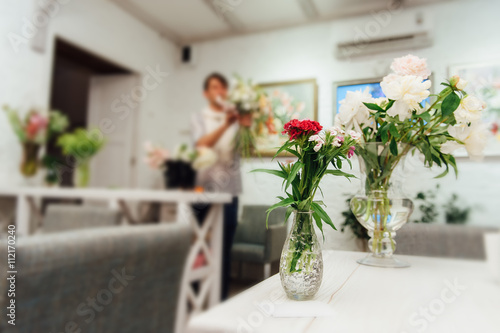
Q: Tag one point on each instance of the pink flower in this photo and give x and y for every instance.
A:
(411, 65)
(338, 141)
(350, 153)
(355, 135)
(319, 141)
(36, 124)
(156, 156)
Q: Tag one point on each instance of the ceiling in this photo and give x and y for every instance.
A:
(188, 21)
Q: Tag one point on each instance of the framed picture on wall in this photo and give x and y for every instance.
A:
(340, 90)
(484, 82)
(297, 99)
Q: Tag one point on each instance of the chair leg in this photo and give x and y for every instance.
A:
(267, 270)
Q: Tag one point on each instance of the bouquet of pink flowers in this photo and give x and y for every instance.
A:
(36, 127)
(33, 131)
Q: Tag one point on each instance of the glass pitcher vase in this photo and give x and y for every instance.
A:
(381, 206)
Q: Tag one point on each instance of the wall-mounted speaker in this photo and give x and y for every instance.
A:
(188, 55)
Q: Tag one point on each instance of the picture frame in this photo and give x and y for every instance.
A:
(355, 84)
(372, 83)
(303, 91)
(483, 81)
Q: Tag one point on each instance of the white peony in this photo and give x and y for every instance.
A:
(411, 65)
(461, 84)
(407, 91)
(352, 111)
(469, 110)
(205, 158)
(474, 138)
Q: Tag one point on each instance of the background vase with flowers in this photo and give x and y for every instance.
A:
(81, 145)
(180, 169)
(400, 124)
(301, 263)
(33, 131)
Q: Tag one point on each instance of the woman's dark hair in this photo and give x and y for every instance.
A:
(216, 76)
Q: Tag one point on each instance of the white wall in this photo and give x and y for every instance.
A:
(98, 26)
(464, 31)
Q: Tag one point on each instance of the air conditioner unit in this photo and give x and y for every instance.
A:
(405, 32)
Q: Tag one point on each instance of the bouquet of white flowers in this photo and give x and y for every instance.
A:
(245, 97)
(393, 126)
(452, 121)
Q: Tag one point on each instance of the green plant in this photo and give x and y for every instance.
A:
(58, 123)
(50, 163)
(427, 206)
(455, 213)
(82, 144)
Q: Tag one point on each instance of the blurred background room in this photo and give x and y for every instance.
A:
(124, 204)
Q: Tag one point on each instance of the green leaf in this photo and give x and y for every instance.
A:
(288, 212)
(389, 105)
(450, 104)
(285, 146)
(293, 152)
(453, 163)
(393, 147)
(339, 163)
(384, 134)
(319, 224)
(16, 123)
(322, 214)
(282, 203)
(426, 116)
(373, 106)
(436, 159)
(339, 173)
(393, 130)
(444, 173)
(278, 173)
(293, 173)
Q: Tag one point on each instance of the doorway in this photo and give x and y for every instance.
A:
(84, 87)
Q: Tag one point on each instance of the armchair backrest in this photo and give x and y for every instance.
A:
(252, 227)
(60, 217)
(114, 279)
(442, 240)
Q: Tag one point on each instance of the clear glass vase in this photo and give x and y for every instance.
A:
(301, 264)
(81, 175)
(29, 163)
(381, 206)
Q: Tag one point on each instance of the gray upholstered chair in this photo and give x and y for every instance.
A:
(116, 279)
(253, 242)
(441, 240)
(60, 217)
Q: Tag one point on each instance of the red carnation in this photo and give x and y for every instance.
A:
(298, 128)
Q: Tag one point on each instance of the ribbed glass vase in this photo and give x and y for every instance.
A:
(301, 264)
